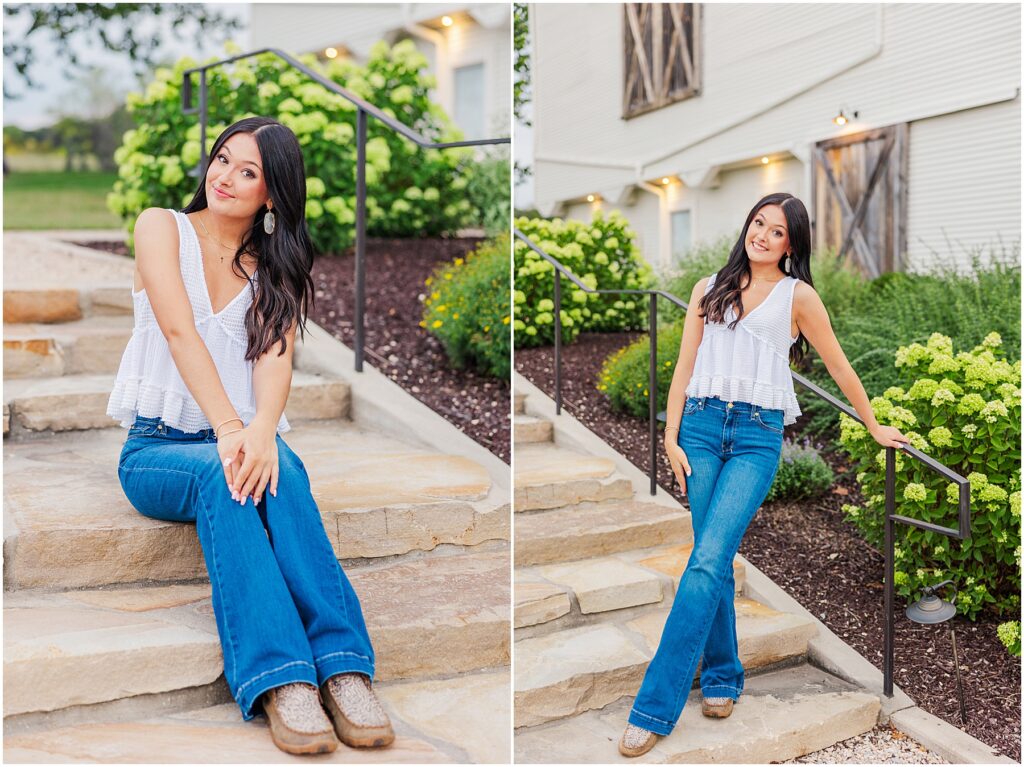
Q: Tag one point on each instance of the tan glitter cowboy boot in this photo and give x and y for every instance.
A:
(636, 741)
(359, 719)
(298, 724)
(716, 708)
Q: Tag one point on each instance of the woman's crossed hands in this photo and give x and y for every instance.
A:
(249, 459)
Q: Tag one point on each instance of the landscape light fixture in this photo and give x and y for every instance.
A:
(446, 21)
(841, 119)
(331, 53)
(932, 609)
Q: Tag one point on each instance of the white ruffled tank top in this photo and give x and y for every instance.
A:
(751, 362)
(148, 383)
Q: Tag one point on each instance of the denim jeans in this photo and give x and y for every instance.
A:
(285, 610)
(733, 449)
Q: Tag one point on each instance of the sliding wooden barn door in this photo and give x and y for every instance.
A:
(860, 195)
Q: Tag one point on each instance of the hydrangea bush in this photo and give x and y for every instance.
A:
(410, 191)
(601, 254)
(467, 308)
(963, 409)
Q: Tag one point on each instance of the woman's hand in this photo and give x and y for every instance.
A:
(680, 463)
(251, 461)
(889, 436)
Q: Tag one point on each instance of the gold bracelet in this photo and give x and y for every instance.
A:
(233, 431)
(671, 428)
(229, 420)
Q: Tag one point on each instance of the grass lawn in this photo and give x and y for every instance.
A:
(58, 201)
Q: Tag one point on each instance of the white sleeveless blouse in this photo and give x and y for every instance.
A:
(751, 362)
(148, 383)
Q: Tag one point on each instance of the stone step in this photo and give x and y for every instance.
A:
(596, 529)
(428, 616)
(69, 525)
(604, 584)
(548, 476)
(73, 402)
(56, 304)
(527, 429)
(567, 672)
(91, 345)
(519, 402)
(780, 715)
(465, 718)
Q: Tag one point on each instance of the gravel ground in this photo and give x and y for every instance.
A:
(395, 343)
(882, 745)
(789, 541)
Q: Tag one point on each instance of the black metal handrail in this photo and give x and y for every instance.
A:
(363, 108)
(961, 532)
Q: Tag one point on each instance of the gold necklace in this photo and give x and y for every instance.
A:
(207, 233)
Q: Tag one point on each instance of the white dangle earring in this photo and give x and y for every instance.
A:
(268, 222)
(786, 270)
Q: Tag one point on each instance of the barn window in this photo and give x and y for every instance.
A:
(661, 64)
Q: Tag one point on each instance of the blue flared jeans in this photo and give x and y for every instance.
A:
(733, 449)
(285, 610)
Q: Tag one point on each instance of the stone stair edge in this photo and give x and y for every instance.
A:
(177, 621)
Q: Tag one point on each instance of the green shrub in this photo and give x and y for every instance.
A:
(410, 191)
(488, 192)
(601, 254)
(802, 473)
(963, 410)
(468, 309)
(626, 373)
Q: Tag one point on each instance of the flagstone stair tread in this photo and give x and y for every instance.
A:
(69, 524)
(781, 715)
(80, 647)
(570, 671)
(586, 530)
(463, 718)
(529, 430)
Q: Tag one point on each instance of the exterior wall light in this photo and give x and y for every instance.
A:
(841, 119)
(331, 53)
(591, 198)
(666, 181)
(446, 21)
(764, 160)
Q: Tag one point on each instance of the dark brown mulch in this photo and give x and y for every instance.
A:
(395, 343)
(823, 562)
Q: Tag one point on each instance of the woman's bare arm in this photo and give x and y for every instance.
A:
(693, 332)
(271, 383)
(813, 321)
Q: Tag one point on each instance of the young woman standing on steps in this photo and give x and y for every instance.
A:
(220, 289)
(746, 324)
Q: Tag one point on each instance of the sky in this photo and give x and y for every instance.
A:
(54, 88)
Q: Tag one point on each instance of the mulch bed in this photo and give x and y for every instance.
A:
(822, 561)
(395, 343)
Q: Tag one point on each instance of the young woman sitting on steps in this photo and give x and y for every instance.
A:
(731, 395)
(220, 289)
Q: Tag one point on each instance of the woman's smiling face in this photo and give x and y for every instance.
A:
(767, 239)
(234, 181)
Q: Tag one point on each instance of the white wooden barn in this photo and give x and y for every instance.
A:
(468, 47)
(683, 115)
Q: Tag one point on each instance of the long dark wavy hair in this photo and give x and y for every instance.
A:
(735, 275)
(284, 259)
